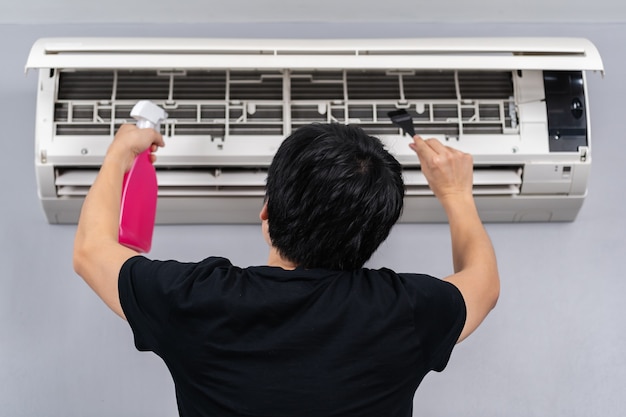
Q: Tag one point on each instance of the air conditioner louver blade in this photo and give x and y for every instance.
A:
(487, 181)
(430, 53)
(199, 182)
(196, 182)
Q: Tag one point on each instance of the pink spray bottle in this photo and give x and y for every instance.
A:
(139, 190)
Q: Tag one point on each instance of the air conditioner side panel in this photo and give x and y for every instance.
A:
(44, 121)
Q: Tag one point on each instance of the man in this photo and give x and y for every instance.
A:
(313, 333)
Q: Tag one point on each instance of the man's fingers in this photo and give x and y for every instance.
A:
(437, 146)
(126, 126)
(428, 148)
(152, 135)
(157, 139)
(425, 146)
(419, 145)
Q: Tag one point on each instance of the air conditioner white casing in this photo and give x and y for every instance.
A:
(518, 105)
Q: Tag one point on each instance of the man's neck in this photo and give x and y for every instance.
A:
(275, 259)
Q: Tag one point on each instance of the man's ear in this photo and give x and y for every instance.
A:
(263, 213)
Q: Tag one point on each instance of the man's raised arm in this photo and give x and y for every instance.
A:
(98, 257)
(449, 175)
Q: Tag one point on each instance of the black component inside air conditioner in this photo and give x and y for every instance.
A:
(567, 116)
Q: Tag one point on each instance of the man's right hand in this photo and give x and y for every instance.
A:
(130, 141)
(448, 170)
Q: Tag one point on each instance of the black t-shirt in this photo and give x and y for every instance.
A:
(263, 341)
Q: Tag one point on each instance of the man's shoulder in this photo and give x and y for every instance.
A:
(409, 278)
(424, 286)
(211, 261)
(163, 273)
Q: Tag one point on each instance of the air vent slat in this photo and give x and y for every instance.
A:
(199, 129)
(85, 85)
(372, 85)
(196, 85)
(255, 85)
(234, 181)
(83, 129)
(140, 85)
(429, 85)
(487, 181)
(317, 85)
(183, 112)
(485, 85)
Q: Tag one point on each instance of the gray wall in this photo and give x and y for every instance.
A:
(553, 346)
(203, 11)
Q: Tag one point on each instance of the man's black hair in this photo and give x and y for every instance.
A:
(333, 194)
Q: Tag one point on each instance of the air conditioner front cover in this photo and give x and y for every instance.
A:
(518, 105)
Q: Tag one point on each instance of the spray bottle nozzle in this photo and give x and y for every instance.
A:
(148, 114)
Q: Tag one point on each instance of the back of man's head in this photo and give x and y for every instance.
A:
(333, 194)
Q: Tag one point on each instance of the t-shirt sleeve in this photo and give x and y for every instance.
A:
(440, 315)
(150, 292)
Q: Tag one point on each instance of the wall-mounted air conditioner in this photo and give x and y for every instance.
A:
(518, 105)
